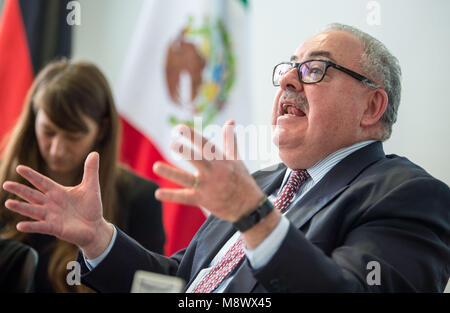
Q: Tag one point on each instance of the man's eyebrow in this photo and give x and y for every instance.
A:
(312, 54)
(321, 53)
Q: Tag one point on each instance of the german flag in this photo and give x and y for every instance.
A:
(32, 33)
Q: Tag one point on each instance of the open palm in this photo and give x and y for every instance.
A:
(72, 214)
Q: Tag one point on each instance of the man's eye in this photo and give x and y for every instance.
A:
(316, 70)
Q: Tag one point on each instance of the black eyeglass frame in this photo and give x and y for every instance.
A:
(353, 74)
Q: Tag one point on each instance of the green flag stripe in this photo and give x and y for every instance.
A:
(245, 3)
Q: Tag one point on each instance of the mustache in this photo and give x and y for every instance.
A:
(292, 96)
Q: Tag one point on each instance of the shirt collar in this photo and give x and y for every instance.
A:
(321, 168)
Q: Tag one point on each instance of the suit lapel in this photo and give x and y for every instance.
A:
(219, 232)
(269, 180)
(334, 183)
(213, 239)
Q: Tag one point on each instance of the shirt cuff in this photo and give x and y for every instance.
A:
(262, 254)
(91, 264)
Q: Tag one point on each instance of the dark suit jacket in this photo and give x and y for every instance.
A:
(17, 266)
(369, 207)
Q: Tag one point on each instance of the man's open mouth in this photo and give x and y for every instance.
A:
(291, 109)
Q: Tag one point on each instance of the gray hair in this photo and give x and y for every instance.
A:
(380, 65)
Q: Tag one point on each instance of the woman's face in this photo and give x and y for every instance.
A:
(63, 151)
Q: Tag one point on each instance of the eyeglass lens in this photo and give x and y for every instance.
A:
(311, 72)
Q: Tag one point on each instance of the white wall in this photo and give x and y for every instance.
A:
(105, 32)
(416, 31)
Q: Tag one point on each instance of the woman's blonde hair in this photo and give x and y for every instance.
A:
(66, 91)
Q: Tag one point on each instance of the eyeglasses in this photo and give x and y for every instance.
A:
(313, 71)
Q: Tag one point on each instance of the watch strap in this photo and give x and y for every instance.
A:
(250, 220)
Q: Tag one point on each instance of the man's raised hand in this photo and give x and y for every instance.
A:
(222, 184)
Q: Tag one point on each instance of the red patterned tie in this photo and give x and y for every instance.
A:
(235, 254)
(296, 179)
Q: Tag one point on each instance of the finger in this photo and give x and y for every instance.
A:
(188, 154)
(208, 149)
(26, 209)
(40, 227)
(188, 132)
(230, 141)
(29, 194)
(38, 180)
(185, 196)
(176, 175)
(185, 151)
(91, 168)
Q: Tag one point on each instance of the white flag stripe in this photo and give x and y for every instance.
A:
(143, 97)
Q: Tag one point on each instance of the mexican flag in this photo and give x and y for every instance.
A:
(187, 63)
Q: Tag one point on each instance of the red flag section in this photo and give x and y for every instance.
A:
(16, 69)
(180, 221)
(29, 39)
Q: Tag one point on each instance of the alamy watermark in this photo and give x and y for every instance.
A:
(373, 278)
(74, 275)
(244, 142)
(374, 15)
(74, 16)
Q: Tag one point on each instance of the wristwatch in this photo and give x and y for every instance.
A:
(250, 220)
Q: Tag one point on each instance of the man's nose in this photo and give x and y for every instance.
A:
(291, 81)
(57, 148)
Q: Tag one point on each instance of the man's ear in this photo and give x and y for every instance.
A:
(376, 106)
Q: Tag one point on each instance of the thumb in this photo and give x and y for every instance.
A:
(91, 168)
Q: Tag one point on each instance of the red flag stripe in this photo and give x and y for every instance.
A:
(181, 222)
(16, 70)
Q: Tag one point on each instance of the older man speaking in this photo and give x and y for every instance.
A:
(338, 215)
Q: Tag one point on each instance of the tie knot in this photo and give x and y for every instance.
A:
(297, 178)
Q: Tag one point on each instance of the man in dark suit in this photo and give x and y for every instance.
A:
(348, 218)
